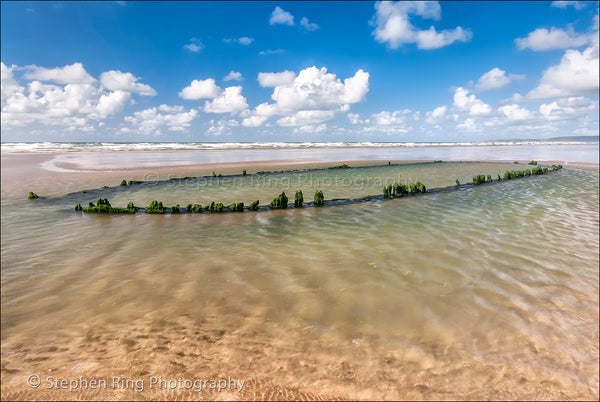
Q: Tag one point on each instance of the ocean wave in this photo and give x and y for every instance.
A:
(51, 147)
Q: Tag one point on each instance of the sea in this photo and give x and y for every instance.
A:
(476, 292)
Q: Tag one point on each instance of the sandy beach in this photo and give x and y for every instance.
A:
(113, 306)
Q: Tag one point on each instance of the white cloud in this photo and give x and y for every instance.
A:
(493, 79)
(309, 26)
(222, 127)
(195, 46)
(515, 113)
(112, 103)
(118, 81)
(246, 41)
(254, 121)
(271, 51)
(568, 108)
(577, 74)
(279, 16)
(542, 39)
(200, 89)
(577, 5)
(152, 120)
(310, 129)
(307, 117)
(229, 101)
(276, 79)
(311, 97)
(355, 118)
(70, 74)
(385, 118)
(316, 89)
(469, 125)
(469, 103)
(10, 86)
(233, 75)
(392, 25)
(436, 115)
(71, 100)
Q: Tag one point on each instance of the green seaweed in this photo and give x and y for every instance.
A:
(479, 179)
(319, 199)
(279, 202)
(155, 207)
(78, 207)
(457, 183)
(298, 199)
(387, 191)
(489, 178)
(244, 172)
(532, 163)
(176, 209)
(344, 166)
(239, 207)
(103, 207)
(123, 182)
(253, 206)
(33, 196)
(215, 207)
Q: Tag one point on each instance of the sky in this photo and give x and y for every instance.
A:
(298, 71)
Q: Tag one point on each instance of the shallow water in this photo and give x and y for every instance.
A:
(484, 292)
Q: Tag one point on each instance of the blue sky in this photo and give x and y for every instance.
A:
(298, 71)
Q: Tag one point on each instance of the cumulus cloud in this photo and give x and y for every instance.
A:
(153, 120)
(276, 79)
(493, 79)
(200, 89)
(575, 75)
(72, 98)
(279, 16)
(543, 39)
(385, 118)
(311, 97)
(393, 26)
(470, 103)
(310, 129)
(222, 127)
(118, 81)
(568, 108)
(309, 26)
(436, 115)
(515, 113)
(228, 101)
(233, 76)
(70, 74)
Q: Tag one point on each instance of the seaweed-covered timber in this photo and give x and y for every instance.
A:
(155, 207)
(215, 207)
(244, 172)
(32, 195)
(387, 191)
(239, 207)
(279, 202)
(400, 190)
(103, 207)
(396, 191)
(479, 179)
(319, 199)
(123, 182)
(344, 166)
(130, 182)
(532, 163)
(298, 199)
